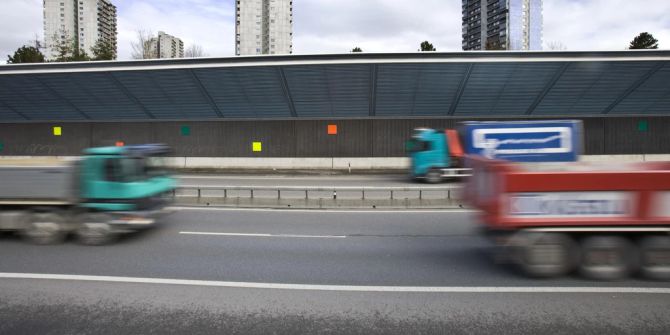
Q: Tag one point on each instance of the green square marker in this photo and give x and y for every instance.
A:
(642, 125)
(185, 131)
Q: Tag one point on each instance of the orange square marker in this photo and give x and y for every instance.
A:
(332, 129)
(119, 143)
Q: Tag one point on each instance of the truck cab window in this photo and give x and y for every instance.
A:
(417, 145)
(112, 169)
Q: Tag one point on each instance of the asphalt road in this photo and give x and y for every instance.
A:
(289, 272)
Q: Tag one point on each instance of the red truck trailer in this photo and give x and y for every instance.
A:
(603, 221)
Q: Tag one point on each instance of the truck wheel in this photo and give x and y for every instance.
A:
(607, 257)
(547, 255)
(94, 229)
(44, 228)
(434, 176)
(655, 257)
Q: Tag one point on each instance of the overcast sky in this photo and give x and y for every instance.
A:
(336, 26)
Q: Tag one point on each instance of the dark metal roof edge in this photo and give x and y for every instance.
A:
(506, 117)
(251, 60)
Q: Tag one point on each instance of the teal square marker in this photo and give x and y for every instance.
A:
(642, 125)
(185, 131)
(2, 146)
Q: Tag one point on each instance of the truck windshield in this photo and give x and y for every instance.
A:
(155, 166)
(132, 169)
(415, 145)
(129, 169)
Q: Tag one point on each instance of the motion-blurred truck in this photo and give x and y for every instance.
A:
(438, 155)
(109, 190)
(604, 221)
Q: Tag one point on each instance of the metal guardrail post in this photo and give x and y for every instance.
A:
(278, 194)
(198, 193)
(363, 191)
(225, 193)
(391, 194)
(252, 193)
(420, 195)
(306, 195)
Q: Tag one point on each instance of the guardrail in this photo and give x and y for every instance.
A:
(253, 190)
(319, 196)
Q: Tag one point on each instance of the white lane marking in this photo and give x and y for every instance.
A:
(341, 288)
(33, 166)
(321, 188)
(260, 235)
(284, 177)
(334, 210)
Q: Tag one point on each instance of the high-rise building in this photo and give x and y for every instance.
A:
(263, 27)
(165, 46)
(502, 24)
(79, 22)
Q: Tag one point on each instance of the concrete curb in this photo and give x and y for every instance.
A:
(336, 165)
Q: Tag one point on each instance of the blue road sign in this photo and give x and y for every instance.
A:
(525, 141)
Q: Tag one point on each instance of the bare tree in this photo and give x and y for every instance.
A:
(37, 43)
(195, 51)
(62, 46)
(141, 46)
(556, 45)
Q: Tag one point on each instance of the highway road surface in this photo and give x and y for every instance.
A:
(232, 271)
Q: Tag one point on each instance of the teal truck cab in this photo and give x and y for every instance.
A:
(435, 155)
(109, 190)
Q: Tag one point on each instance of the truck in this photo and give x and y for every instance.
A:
(603, 221)
(438, 155)
(105, 192)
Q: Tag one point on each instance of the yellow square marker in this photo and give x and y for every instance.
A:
(57, 131)
(257, 147)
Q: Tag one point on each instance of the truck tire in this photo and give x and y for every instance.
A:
(44, 228)
(547, 255)
(607, 257)
(434, 176)
(94, 229)
(655, 257)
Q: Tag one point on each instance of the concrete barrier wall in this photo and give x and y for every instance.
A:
(377, 138)
(310, 163)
